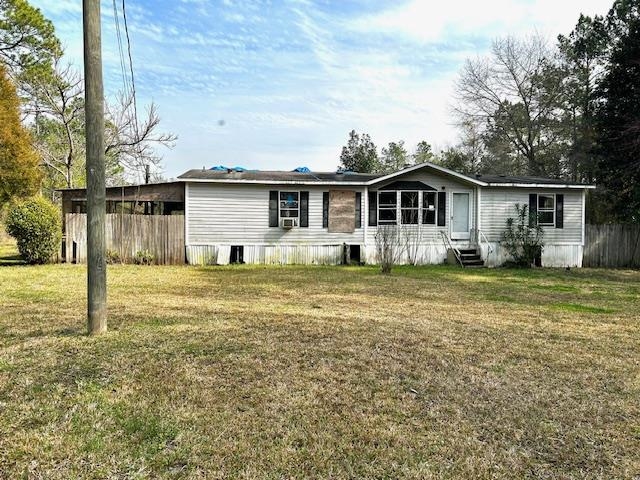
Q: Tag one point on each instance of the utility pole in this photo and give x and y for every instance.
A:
(147, 178)
(96, 192)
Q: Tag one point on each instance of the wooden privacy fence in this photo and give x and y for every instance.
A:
(161, 235)
(612, 246)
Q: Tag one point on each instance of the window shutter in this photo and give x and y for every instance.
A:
(559, 210)
(442, 209)
(358, 210)
(304, 209)
(533, 209)
(273, 208)
(373, 209)
(325, 209)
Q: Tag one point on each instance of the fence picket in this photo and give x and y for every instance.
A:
(162, 235)
(616, 246)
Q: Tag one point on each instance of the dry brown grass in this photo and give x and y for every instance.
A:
(252, 372)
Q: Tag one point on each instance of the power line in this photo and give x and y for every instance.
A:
(133, 82)
(123, 68)
(130, 100)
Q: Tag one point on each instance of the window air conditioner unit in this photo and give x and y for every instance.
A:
(288, 223)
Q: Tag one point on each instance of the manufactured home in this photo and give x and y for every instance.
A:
(304, 217)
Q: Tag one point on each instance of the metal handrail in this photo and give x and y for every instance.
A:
(447, 244)
(479, 236)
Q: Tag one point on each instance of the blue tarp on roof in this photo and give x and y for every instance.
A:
(222, 168)
(302, 170)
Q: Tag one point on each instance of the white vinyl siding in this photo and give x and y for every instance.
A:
(498, 204)
(239, 215)
(430, 234)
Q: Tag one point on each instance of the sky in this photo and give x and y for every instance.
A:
(277, 84)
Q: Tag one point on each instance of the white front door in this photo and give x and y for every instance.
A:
(460, 215)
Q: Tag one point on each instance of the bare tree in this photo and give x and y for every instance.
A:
(389, 246)
(514, 94)
(57, 107)
(412, 243)
(411, 231)
(133, 143)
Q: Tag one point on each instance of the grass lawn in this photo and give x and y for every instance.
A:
(317, 372)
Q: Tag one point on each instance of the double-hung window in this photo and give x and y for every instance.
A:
(429, 208)
(387, 208)
(290, 205)
(409, 208)
(547, 210)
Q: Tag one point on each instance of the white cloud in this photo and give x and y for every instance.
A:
(292, 78)
(428, 21)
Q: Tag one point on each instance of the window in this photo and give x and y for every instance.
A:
(429, 208)
(387, 212)
(409, 208)
(289, 204)
(547, 210)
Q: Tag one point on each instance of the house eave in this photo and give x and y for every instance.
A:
(438, 168)
(541, 185)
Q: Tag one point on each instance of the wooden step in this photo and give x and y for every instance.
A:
(475, 263)
(471, 258)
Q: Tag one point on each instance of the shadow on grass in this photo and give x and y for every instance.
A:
(11, 260)
(9, 256)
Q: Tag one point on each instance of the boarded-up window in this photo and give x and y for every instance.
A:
(342, 211)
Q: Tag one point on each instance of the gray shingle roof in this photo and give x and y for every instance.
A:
(522, 179)
(277, 176)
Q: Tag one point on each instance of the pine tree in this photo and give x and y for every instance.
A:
(394, 157)
(360, 154)
(19, 170)
(618, 118)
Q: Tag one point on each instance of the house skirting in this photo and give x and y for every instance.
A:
(413, 255)
(306, 254)
(267, 254)
(552, 255)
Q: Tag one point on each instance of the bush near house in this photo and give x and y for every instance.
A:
(144, 257)
(36, 226)
(523, 237)
(113, 257)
